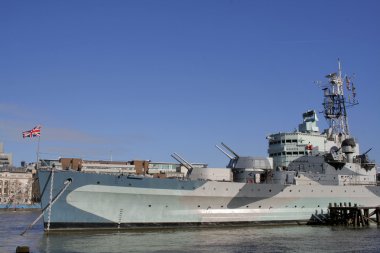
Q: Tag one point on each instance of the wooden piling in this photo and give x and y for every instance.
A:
(343, 214)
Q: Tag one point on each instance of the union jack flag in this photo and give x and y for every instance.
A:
(36, 131)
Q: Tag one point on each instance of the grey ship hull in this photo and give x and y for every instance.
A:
(111, 201)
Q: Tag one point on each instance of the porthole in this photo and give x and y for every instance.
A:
(270, 190)
(150, 205)
(98, 182)
(199, 206)
(247, 206)
(290, 190)
(221, 206)
(259, 206)
(295, 206)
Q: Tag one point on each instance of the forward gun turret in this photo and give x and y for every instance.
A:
(247, 168)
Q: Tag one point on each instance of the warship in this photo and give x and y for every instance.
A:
(305, 171)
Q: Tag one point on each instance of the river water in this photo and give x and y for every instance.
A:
(218, 239)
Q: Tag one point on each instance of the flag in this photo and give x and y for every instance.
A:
(36, 131)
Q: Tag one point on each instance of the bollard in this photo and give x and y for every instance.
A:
(22, 249)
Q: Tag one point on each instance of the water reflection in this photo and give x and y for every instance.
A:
(218, 239)
(251, 239)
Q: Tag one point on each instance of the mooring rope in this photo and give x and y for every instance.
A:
(50, 198)
(51, 203)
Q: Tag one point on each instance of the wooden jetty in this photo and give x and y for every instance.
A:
(355, 215)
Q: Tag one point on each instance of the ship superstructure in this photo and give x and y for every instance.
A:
(307, 140)
(305, 172)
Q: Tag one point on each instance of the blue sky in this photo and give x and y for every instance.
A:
(144, 79)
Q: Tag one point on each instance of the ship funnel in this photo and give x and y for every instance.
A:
(184, 163)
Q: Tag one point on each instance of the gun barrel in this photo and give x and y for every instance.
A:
(229, 149)
(367, 151)
(182, 161)
(224, 152)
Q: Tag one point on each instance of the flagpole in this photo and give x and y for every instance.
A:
(38, 151)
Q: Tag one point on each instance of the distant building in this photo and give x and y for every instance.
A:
(5, 159)
(163, 167)
(95, 166)
(16, 186)
(139, 167)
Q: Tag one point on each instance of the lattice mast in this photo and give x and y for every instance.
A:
(335, 103)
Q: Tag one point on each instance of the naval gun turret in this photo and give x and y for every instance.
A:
(184, 163)
(364, 160)
(247, 168)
